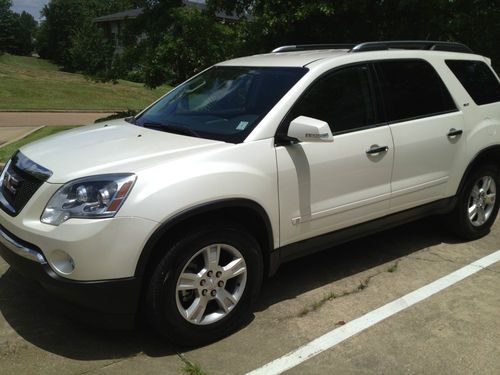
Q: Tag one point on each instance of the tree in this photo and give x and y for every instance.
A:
(91, 52)
(24, 31)
(193, 41)
(64, 20)
(277, 22)
(7, 22)
(16, 30)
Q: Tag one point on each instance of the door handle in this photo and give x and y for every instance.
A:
(455, 132)
(376, 149)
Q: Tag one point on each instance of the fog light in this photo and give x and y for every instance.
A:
(62, 262)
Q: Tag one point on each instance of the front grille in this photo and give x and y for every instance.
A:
(19, 183)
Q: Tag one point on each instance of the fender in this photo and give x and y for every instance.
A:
(491, 150)
(232, 203)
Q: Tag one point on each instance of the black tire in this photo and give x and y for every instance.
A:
(161, 301)
(459, 221)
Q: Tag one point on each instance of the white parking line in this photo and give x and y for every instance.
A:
(336, 336)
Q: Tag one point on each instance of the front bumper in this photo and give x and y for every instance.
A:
(109, 303)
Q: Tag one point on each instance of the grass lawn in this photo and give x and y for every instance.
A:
(7, 151)
(34, 84)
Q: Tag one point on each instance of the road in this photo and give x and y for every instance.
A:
(14, 125)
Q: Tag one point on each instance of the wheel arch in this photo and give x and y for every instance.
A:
(243, 211)
(488, 155)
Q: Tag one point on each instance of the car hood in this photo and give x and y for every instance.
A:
(110, 147)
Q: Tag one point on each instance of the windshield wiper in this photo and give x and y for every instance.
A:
(170, 128)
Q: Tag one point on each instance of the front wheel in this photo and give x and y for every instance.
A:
(205, 285)
(477, 205)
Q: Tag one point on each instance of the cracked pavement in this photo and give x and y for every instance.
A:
(453, 332)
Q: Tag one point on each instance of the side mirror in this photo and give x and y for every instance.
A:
(308, 129)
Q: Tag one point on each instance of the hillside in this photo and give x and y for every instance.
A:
(30, 83)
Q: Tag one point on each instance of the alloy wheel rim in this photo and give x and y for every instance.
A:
(481, 201)
(211, 284)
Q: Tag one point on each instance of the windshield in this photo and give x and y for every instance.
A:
(223, 103)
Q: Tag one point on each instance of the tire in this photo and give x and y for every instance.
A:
(468, 223)
(171, 300)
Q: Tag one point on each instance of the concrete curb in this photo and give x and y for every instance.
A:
(22, 136)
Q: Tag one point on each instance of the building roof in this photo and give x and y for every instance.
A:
(131, 14)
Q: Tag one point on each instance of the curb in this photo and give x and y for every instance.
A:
(21, 137)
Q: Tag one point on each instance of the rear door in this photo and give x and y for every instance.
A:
(427, 129)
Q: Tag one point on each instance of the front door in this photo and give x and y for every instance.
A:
(328, 186)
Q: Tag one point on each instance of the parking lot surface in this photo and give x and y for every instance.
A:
(455, 331)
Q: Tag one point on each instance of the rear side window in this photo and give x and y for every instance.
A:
(412, 89)
(478, 79)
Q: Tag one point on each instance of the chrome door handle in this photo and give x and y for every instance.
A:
(455, 132)
(376, 149)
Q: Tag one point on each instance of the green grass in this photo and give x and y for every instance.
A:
(7, 151)
(193, 369)
(30, 83)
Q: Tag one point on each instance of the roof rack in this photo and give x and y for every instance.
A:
(382, 46)
(412, 44)
(307, 47)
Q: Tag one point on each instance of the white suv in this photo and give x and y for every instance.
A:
(182, 210)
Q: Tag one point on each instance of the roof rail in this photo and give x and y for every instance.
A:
(307, 47)
(381, 46)
(412, 44)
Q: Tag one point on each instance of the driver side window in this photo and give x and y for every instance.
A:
(342, 98)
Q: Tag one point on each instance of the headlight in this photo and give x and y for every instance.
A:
(88, 198)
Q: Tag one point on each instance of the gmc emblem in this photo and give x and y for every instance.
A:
(10, 183)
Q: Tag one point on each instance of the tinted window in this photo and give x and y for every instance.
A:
(343, 99)
(223, 103)
(412, 88)
(478, 80)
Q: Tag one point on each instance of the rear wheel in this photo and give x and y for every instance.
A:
(477, 205)
(204, 286)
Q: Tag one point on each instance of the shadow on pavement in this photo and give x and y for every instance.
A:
(32, 314)
(323, 268)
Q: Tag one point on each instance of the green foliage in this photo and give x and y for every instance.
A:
(92, 52)
(194, 41)
(6, 25)
(279, 22)
(170, 42)
(16, 30)
(62, 19)
(191, 368)
(23, 31)
(65, 23)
